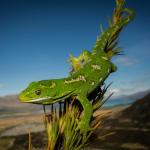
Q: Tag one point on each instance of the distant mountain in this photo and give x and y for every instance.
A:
(139, 94)
(139, 111)
(12, 104)
(126, 99)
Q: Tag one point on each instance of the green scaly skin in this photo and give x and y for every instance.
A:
(83, 81)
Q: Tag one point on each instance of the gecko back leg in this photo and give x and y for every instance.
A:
(80, 61)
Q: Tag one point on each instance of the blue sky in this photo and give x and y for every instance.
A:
(37, 36)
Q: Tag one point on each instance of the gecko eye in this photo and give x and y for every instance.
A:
(38, 92)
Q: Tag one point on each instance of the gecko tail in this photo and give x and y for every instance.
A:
(121, 16)
(108, 41)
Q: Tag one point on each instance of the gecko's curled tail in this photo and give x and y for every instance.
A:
(108, 41)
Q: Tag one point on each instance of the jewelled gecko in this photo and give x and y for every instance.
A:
(93, 69)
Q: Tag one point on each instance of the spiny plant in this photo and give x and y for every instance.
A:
(61, 125)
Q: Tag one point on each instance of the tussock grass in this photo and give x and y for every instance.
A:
(62, 121)
(61, 124)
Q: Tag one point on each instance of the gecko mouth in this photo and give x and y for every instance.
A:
(45, 100)
(39, 99)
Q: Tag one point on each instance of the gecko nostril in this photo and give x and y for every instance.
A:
(38, 92)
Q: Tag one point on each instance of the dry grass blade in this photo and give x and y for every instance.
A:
(30, 145)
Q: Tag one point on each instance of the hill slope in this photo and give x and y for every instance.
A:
(127, 129)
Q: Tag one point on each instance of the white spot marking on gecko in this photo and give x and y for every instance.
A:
(80, 78)
(105, 58)
(100, 79)
(96, 67)
(92, 83)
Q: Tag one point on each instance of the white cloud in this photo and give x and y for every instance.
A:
(129, 87)
(116, 92)
(125, 61)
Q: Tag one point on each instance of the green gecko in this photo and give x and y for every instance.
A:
(85, 79)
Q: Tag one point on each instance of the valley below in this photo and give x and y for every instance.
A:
(125, 127)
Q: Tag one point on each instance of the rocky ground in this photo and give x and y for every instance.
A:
(123, 128)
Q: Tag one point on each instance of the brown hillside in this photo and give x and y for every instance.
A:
(139, 112)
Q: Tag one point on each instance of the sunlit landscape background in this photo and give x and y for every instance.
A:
(36, 38)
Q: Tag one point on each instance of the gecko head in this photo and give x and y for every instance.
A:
(41, 92)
